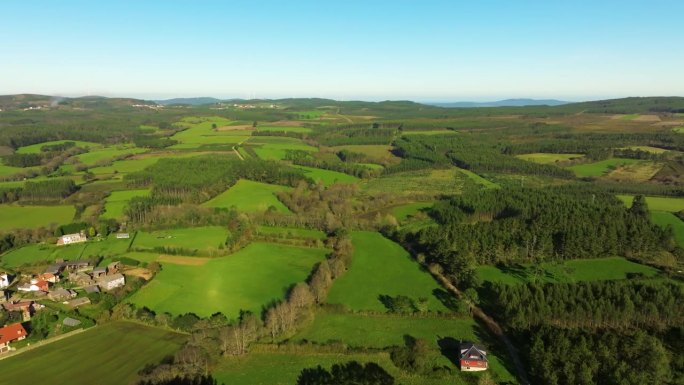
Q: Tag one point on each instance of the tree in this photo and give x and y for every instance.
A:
(300, 296)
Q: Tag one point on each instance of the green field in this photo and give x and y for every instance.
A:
(578, 270)
(42, 253)
(101, 154)
(101, 355)
(664, 219)
(678, 129)
(403, 212)
(429, 132)
(284, 129)
(247, 195)
(604, 166)
(291, 232)
(544, 158)
(668, 204)
(426, 182)
(117, 201)
(200, 133)
(275, 147)
(29, 217)
(327, 177)
(198, 240)
(486, 183)
(35, 148)
(381, 267)
(246, 280)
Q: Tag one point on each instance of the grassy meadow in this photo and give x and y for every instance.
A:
(406, 211)
(608, 166)
(246, 280)
(664, 219)
(35, 148)
(276, 147)
(381, 267)
(44, 253)
(200, 133)
(546, 158)
(101, 355)
(424, 182)
(198, 240)
(668, 204)
(28, 217)
(117, 201)
(579, 270)
(247, 195)
(327, 177)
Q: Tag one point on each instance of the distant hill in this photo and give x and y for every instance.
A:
(31, 101)
(188, 101)
(502, 103)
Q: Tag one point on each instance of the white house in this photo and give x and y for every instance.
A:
(4, 280)
(71, 238)
(110, 282)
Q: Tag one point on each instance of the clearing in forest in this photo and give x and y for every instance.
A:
(669, 204)
(603, 167)
(547, 158)
(247, 195)
(117, 201)
(327, 177)
(380, 268)
(247, 280)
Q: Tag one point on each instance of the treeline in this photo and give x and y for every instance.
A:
(572, 143)
(197, 179)
(367, 135)
(469, 153)
(623, 305)
(47, 190)
(582, 357)
(532, 225)
(287, 134)
(153, 141)
(304, 158)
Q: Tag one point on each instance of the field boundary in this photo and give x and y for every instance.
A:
(43, 343)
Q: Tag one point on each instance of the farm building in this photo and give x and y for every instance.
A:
(91, 289)
(113, 267)
(36, 285)
(122, 235)
(110, 282)
(78, 302)
(99, 272)
(473, 358)
(25, 307)
(4, 280)
(55, 268)
(61, 294)
(82, 279)
(71, 238)
(49, 277)
(9, 333)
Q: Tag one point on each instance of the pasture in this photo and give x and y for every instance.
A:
(327, 177)
(117, 201)
(421, 183)
(546, 158)
(275, 147)
(29, 217)
(486, 183)
(605, 166)
(102, 154)
(194, 240)
(43, 253)
(579, 270)
(381, 267)
(406, 211)
(289, 232)
(664, 219)
(284, 128)
(429, 132)
(377, 153)
(200, 132)
(101, 355)
(668, 204)
(35, 148)
(246, 280)
(247, 195)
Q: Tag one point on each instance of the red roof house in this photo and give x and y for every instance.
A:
(9, 333)
(473, 358)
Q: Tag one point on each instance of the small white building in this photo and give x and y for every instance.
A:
(122, 235)
(4, 280)
(110, 282)
(71, 238)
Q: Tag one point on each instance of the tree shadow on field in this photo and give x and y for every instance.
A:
(448, 300)
(450, 348)
(495, 346)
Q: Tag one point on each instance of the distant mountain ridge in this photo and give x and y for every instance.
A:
(188, 101)
(502, 103)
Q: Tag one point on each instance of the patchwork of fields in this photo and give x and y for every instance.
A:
(250, 196)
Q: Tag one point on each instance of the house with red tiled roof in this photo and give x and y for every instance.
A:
(10, 333)
(473, 357)
(35, 285)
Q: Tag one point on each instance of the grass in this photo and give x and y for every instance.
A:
(35, 148)
(28, 217)
(406, 211)
(284, 129)
(544, 158)
(275, 148)
(603, 167)
(426, 182)
(429, 132)
(486, 183)
(198, 240)
(679, 129)
(668, 204)
(101, 355)
(579, 270)
(629, 116)
(117, 201)
(246, 280)
(381, 267)
(288, 231)
(101, 154)
(250, 196)
(200, 133)
(43, 253)
(653, 150)
(327, 177)
(664, 219)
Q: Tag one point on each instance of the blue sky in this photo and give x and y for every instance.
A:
(373, 50)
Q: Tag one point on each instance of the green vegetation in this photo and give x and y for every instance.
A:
(188, 241)
(246, 280)
(247, 195)
(657, 203)
(380, 267)
(102, 154)
(117, 201)
(36, 148)
(284, 129)
(303, 233)
(27, 217)
(200, 132)
(403, 212)
(101, 355)
(327, 177)
(549, 158)
(580, 270)
(421, 183)
(43, 253)
(276, 148)
(665, 219)
(603, 167)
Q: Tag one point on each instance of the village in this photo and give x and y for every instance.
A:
(64, 286)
